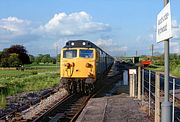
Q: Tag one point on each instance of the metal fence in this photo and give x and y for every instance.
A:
(149, 88)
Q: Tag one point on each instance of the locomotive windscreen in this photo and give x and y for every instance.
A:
(69, 53)
(86, 53)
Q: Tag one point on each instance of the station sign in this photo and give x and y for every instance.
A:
(164, 24)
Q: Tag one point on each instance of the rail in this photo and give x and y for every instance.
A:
(70, 108)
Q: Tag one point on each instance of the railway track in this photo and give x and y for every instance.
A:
(64, 111)
(69, 108)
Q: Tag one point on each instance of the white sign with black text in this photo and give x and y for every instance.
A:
(132, 71)
(164, 29)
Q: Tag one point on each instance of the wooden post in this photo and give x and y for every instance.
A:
(132, 74)
(157, 98)
(139, 83)
(142, 97)
(131, 86)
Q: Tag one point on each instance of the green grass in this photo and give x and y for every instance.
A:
(175, 71)
(33, 78)
(2, 100)
(156, 68)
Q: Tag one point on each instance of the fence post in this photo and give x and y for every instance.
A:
(130, 85)
(174, 82)
(139, 83)
(149, 92)
(132, 74)
(133, 83)
(157, 98)
(142, 85)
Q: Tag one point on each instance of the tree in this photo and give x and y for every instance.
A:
(21, 51)
(53, 60)
(46, 58)
(58, 57)
(13, 60)
(4, 62)
(4, 53)
(31, 58)
(0, 56)
(14, 56)
(38, 58)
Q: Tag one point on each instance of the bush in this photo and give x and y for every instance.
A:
(34, 72)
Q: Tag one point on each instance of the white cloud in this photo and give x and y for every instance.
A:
(61, 25)
(60, 43)
(111, 47)
(175, 29)
(12, 28)
(175, 24)
(175, 41)
(73, 24)
(175, 47)
(176, 33)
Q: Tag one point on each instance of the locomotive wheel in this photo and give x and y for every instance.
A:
(88, 89)
(92, 87)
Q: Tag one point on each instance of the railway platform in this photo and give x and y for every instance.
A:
(118, 108)
(114, 105)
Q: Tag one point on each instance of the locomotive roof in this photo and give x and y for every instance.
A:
(80, 43)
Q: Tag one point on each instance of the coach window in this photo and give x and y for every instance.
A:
(86, 53)
(70, 53)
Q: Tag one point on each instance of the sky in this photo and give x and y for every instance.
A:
(119, 27)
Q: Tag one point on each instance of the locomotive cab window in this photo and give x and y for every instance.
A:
(69, 53)
(86, 53)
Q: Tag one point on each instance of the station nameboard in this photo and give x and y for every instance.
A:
(164, 30)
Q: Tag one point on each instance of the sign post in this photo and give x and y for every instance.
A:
(163, 33)
(132, 84)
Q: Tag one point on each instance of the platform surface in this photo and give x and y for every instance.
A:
(118, 108)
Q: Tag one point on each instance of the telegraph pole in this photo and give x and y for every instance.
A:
(166, 105)
(152, 50)
(56, 54)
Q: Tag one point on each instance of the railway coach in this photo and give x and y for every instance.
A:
(82, 63)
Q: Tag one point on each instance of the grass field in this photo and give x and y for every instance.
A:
(174, 71)
(33, 78)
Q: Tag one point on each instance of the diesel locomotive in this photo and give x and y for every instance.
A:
(82, 63)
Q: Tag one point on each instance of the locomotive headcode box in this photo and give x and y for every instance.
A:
(79, 43)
